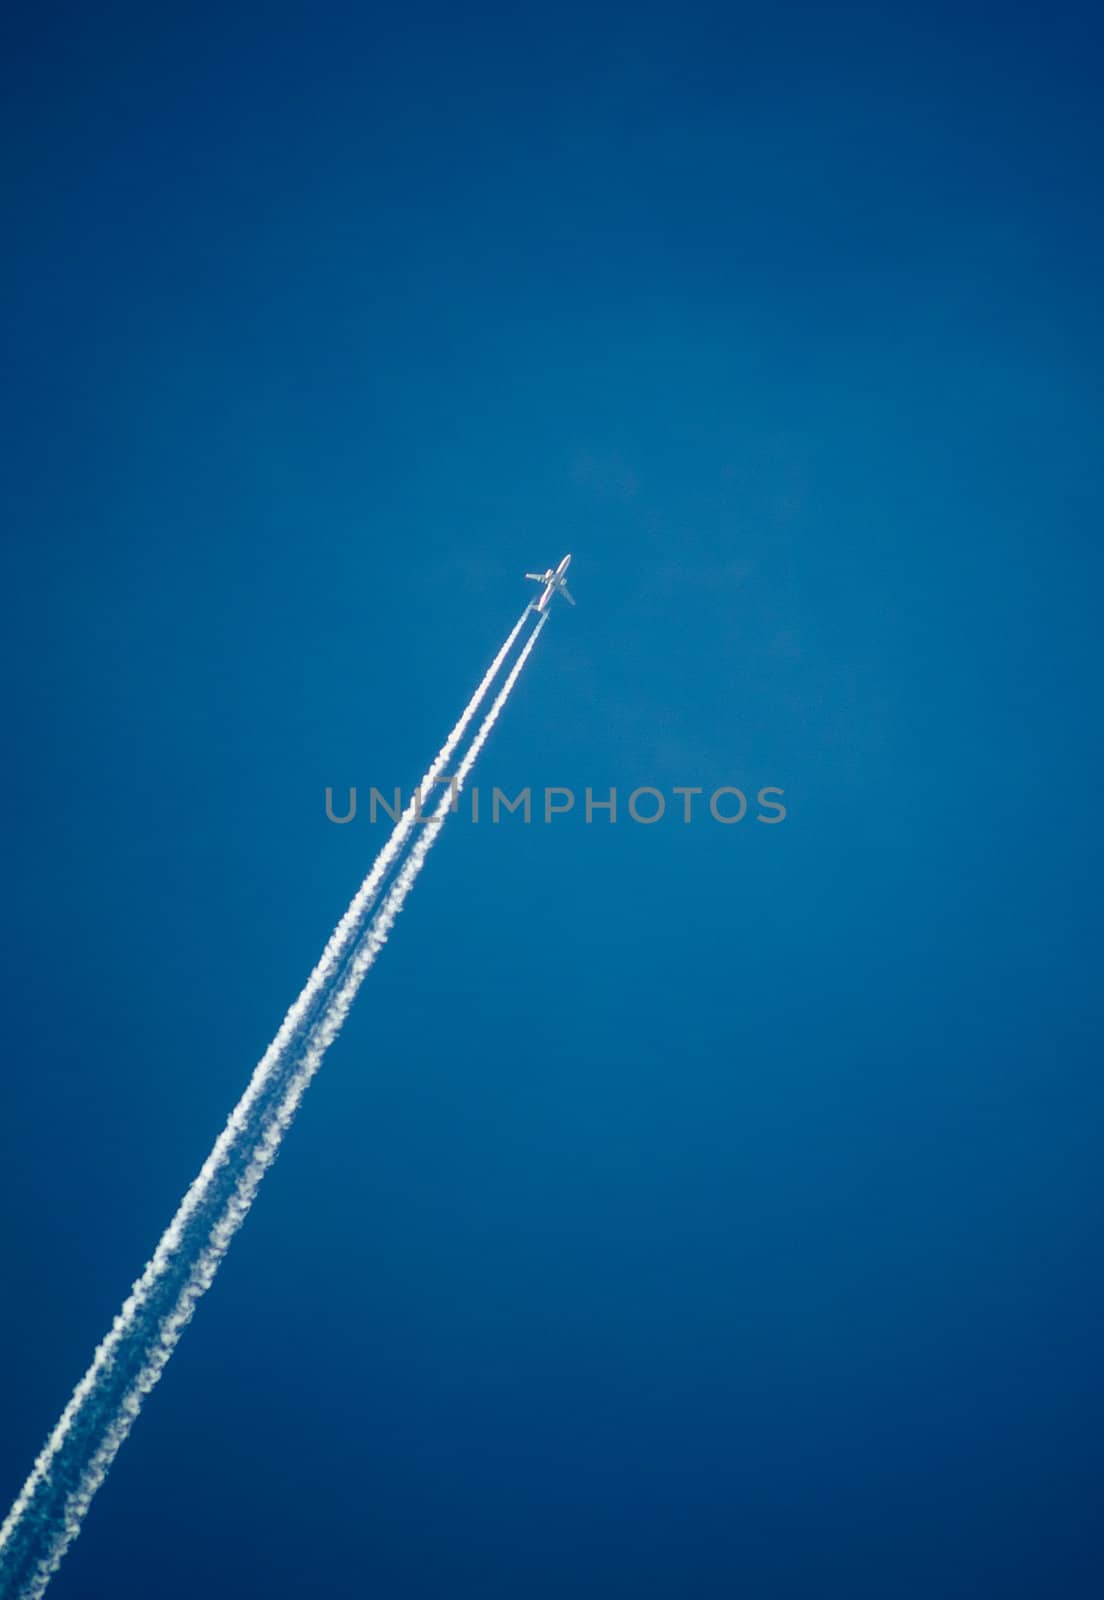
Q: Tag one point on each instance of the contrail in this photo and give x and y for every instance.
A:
(202, 1191)
(348, 937)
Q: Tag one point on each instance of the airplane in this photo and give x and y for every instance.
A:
(554, 582)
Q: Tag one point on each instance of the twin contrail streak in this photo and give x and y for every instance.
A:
(161, 1302)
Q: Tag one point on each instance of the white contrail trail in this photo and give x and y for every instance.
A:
(340, 943)
(319, 1038)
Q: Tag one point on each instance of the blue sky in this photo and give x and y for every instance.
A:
(684, 1210)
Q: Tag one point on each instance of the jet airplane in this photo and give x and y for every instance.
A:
(555, 582)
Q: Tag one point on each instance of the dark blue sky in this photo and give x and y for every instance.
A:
(684, 1210)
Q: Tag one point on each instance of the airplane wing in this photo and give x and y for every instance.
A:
(538, 577)
(565, 591)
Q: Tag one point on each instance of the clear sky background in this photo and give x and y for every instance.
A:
(685, 1210)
